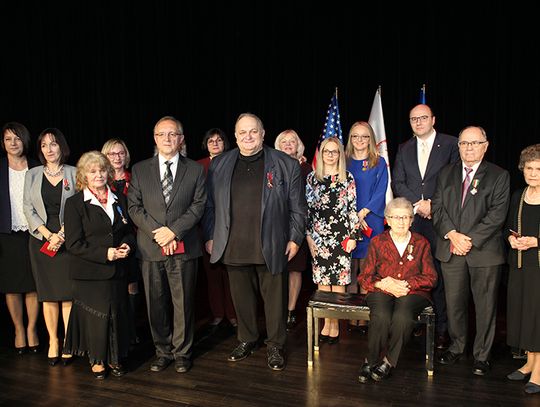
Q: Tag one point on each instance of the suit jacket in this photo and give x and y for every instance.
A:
(481, 217)
(90, 234)
(383, 260)
(34, 209)
(283, 206)
(5, 199)
(149, 211)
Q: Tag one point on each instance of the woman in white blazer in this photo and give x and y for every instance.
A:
(46, 189)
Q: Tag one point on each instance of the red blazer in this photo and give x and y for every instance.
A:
(383, 260)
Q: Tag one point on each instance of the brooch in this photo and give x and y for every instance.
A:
(66, 184)
(410, 249)
(124, 220)
(474, 185)
(269, 179)
(333, 181)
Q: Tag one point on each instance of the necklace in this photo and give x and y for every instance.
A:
(53, 174)
(101, 197)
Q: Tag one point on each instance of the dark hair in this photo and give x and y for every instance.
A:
(58, 136)
(20, 131)
(531, 153)
(211, 133)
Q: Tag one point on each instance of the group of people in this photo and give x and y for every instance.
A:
(256, 214)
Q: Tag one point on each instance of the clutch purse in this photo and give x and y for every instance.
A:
(179, 249)
(45, 250)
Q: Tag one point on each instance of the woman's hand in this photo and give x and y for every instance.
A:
(312, 246)
(351, 245)
(120, 252)
(398, 288)
(55, 241)
(523, 243)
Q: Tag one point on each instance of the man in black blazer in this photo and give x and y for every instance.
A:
(418, 163)
(166, 221)
(469, 210)
(254, 223)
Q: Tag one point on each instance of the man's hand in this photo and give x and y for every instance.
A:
(462, 243)
(209, 246)
(292, 249)
(423, 208)
(163, 236)
(169, 248)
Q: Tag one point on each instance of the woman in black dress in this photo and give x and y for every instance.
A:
(523, 233)
(16, 279)
(289, 142)
(46, 189)
(99, 239)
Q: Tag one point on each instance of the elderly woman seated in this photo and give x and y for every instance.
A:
(398, 276)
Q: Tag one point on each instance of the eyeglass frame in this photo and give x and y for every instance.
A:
(116, 154)
(170, 134)
(330, 153)
(360, 136)
(475, 143)
(399, 218)
(422, 119)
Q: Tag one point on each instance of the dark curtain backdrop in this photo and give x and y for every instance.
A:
(99, 70)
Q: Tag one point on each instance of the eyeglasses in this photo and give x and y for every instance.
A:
(331, 153)
(474, 143)
(217, 141)
(399, 218)
(119, 154)
(419, 119)
(358, 136)
(170, 134)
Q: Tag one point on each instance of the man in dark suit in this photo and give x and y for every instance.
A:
(254, 223)
(418, 163)
(166, 201)
(469, 210)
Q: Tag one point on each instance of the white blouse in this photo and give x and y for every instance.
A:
(16, 190)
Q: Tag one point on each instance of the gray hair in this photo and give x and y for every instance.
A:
(398, 203)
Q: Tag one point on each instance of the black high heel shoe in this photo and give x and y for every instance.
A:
(323, 338)
(66, 360)
(53, 361)
(333, 340)
(21, 350)
(33, 349)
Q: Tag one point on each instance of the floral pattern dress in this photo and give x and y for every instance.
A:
(332, 218)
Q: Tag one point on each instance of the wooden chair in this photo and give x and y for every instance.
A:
(325, 304)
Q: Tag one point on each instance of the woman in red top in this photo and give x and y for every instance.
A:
(398, 276)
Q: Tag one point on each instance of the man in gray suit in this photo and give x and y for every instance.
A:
(254, 223)
(166, 201)
(469, 210)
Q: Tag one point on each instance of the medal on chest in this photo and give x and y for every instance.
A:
(410, 249)
(474, 186)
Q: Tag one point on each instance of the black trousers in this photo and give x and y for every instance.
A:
(460, 279)
(391, 323)
(170, 284)
(246, 283)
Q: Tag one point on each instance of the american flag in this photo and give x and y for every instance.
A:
(332, 125)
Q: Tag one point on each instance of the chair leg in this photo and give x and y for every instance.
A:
(430, 344)
(310, 336)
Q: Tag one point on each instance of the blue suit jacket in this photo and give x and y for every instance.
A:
(283, 213)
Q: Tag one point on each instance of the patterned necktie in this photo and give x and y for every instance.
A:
(423, 158)
(466, 184)
(167, 182)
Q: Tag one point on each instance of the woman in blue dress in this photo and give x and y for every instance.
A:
(371, 179)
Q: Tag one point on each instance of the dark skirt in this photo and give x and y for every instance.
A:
(98, 323)
(15, 269)
(51, 274)
(300, 261)
(523, 308)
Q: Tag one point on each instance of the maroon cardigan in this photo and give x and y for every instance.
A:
(383, 260)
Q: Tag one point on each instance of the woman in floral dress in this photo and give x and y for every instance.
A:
(332, 225)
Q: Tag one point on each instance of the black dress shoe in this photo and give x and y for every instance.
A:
(532, 388)
(365, 373)
(53, 361)
(517, 375)
(323, 338)
(242, 351)
(21, 351)
(381, 371)
(33, 349)
(276, 358)
(118, 370)
(332, 340)
(160, 364)
(448, 358)
(182, 365)
(100, 375)
(291, 320)
(480, 367)
(66, 360)
(442, 341)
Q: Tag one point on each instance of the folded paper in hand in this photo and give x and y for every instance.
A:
(45, 250)
(179, 248)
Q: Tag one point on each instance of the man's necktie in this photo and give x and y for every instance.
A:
(423, 158)
(167, 182)
(466, 184)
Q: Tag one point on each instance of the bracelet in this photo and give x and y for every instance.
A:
(61, 234)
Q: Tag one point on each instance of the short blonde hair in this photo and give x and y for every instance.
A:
(109, 144)
(88, 159)
(301, 148)
(398, 203)
(342, 166)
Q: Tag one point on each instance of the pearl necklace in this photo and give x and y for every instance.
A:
(53, 174)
